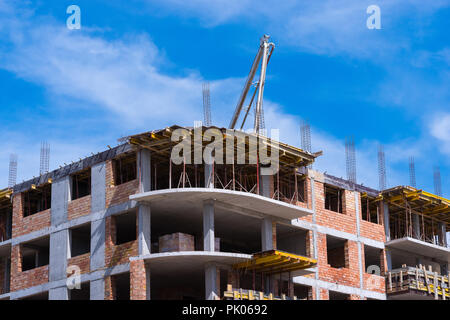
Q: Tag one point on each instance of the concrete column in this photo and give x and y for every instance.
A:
(211, 287)
(144, 170)
(144, 226)
(208, 225)
(388, 260)
(387, 230)
(58, 255)
(266, 234)
(97, 289)
(61, 293)
(57, 269)
(98, 228)
(442, 234)
(266, 186)
(209, 178)
(416, 225)
(59, 201)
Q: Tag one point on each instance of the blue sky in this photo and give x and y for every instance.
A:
(138, 65)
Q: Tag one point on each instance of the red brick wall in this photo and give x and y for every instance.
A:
(22, 225)
(138, 283)
(30, 278)
(110, 292)
(121, 193)
(117, 254)
(348, 275)
(82, 261)
(79, 207)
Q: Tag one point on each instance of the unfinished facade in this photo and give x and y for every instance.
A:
(127, 223)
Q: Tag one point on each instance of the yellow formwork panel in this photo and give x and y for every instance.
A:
(276, 261)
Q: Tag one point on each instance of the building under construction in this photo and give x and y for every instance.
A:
(129, 223)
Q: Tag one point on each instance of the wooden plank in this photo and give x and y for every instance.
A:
(435, 286)
(426, 279)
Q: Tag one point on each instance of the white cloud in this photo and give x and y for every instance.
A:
(440, 129)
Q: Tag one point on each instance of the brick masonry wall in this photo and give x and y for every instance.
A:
(23, 225)
(82, 261)
(138, 281)
(117, 254)
(110, 293)
(176, 242)
(121, 193)
(25, 279)
(79, 207)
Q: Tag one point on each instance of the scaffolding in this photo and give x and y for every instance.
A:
(418, 214)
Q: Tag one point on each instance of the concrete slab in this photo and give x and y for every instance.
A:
(424, 248)
(244, 201)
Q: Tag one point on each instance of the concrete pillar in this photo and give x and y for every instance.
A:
(97, 289)
(144, 170)
(442, 234)
(416, 226)
(211, 286)
(209, 170)
(98, 228)
(57, 269)
(388, 260)
(58, 255)
(59, 201)
(266, 186)
(208, 225)
(387, 230)
(266, 234)
(61, 293)
(144, 227)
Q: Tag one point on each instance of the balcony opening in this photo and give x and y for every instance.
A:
(84, 293)
(80, 240)
(81, 184)
(125, 226)
(37, 199)
(291, 240)
(333, 198)
(237, 233)
(370, 210)
(337, 256)
(372, 258)
(121, 283)
(333, 295)
(124, 169)
(35, 253)
(302, 292)
(5, 219)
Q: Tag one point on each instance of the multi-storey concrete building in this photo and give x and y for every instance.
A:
(130, 224)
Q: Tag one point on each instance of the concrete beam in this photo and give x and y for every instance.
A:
(208, 225)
